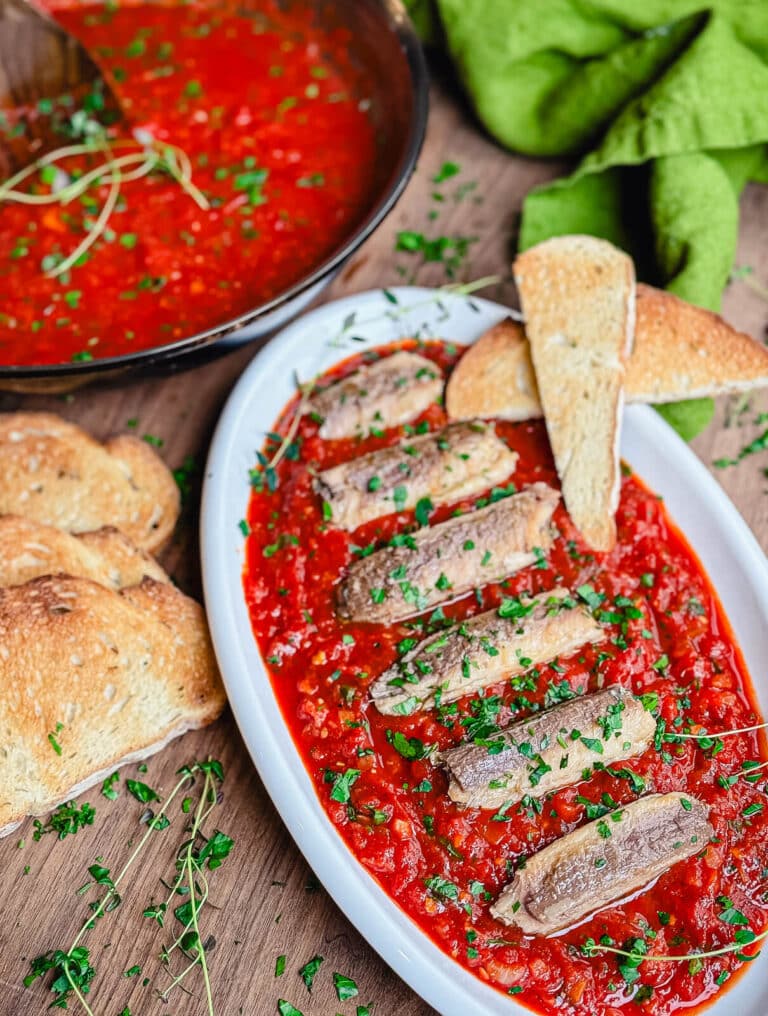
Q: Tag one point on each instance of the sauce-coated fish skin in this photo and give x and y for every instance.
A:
(483, 649)
(456, 462)
(441, 562)
(602, 862)
(391, 391)
(549, 750)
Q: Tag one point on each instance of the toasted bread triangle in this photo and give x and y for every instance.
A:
(578, 298)
(680, 352)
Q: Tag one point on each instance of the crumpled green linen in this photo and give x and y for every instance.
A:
(664, 101)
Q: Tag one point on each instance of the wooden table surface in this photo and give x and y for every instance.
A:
(266, 899)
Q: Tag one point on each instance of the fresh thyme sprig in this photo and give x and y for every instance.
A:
(72, 969)
(718, 733)
(197, 854)
(265, 471)
(637, 954)
(398, 310)
(705, 739)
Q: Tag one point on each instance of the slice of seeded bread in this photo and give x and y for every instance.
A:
(114, 676)
(52, 472)
(578, 298)
(29, 550)
(680, 352)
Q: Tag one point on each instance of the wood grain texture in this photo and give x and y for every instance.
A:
(265, 908)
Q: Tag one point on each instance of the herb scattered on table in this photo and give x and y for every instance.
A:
(108, 787)
(66, 820)
(759, 444)
(309, 971)
(449, 251)
(345, 987)
(141, 791)
(286, 1009)
(184, 477)
(72, 970)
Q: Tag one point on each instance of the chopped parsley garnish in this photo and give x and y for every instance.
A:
(592, 599)
(345, 987)
(513, 607)
(423, 507)
(108, 787)
(309, 971)
(286, 1009)
(408, 747)
(446, 171)
(66, 820)
(342, 784)
(141, 791)
(441, 888)
(52, 738)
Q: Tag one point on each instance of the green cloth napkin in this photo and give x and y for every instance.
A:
(667, 98)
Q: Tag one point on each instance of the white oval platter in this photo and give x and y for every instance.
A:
(726, 547)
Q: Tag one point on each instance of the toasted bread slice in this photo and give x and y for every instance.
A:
(685, 352)
(578, 298)
(122, 673)
(53, 472)
(29, 549)
(495, 377)
(680, 352)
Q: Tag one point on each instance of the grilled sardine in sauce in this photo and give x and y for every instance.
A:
(391, 391)
(441, 562)
(456, 462)
(549, 750)
(603, 861)
(484, 649)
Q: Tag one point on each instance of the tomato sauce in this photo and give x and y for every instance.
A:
(444, 865)
(273, 112)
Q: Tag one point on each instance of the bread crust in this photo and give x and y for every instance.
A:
(53, 472)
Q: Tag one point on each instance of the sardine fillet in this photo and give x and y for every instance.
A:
(444, 561)
(386, 393)
(549, 750)
(603, 861)
(456, 462)
(483, 650)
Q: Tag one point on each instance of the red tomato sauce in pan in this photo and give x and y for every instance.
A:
(445, 865)
(272, 111)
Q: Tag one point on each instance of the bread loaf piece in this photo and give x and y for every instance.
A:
(52, 472)
(114, 675)
(29, 550)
